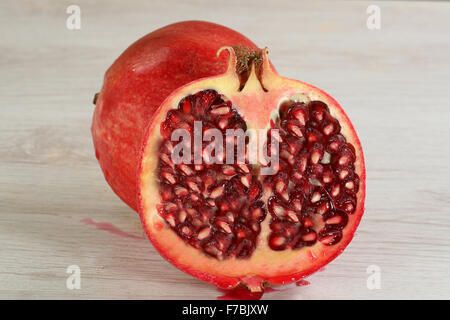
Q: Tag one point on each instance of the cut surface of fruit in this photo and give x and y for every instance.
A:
(228, 218)
(138, 82)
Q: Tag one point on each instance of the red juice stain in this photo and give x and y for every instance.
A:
(242, 293)
(302, 283)
(109, 228)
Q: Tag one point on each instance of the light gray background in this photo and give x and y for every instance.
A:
(393, 83)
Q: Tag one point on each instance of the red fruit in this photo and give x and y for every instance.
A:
(244, 227)
(139, 80)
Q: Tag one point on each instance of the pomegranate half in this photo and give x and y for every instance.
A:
(139, 81)
(225, 222)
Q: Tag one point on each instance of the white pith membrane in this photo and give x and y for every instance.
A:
(227, 224)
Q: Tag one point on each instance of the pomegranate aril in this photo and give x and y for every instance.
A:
(220, 110)
(313, 136)
(293, 126)
(335, 219)
(307, 223)
(329, 236)
(323, 207)
(316, 152)
(204, 233)
(299, 112)
(182, 216)
(319, 110)
(243, 168)
(180, 191)
(224, 226)
(335, 142)
(306, 238)
(296, 204)
(254, 192)
(203, 100)
(291, 215)
(228, 170)
(217, 192)
(277, 242)
(168, 177)
(246, 180)
(185, 105)
(171, 220)
(315, 197)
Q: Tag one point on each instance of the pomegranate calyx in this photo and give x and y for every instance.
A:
(246, 65)
(246, 57)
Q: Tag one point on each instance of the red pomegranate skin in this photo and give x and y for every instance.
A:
(137, 83)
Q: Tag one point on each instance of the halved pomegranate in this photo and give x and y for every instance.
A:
(226, 222)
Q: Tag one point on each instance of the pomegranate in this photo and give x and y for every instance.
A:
(139, 80)
(226, 222)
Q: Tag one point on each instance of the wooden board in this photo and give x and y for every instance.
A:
(56, 209)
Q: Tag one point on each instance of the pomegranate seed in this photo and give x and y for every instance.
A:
(246, 180)
(310, 236)
(335, 190)
(228, 170)
(221, 110)
(169, 206)
(255, 192)
(297, 204)
(277, 242)
(240, 234)
(185, 169)
(328, 129)
(217, 192)
(196, 222)
(213, 251)
(292, 216)
(166, 194)
(182, 216)
(349, 185)
(204, 233)
(257, 213)
(323, 207)
(165, 158)
(344, 160)
(224, 226)
(180, 191)
(278, 210)
(230, 217)
(169, 177)
(295, 130)
(243, 168)
(330, 236)
(327, 177)
(315, 156)
(307, 223)
(191, 211)
(315, 197)
(193, 186)
(171, 220)
(186, 105)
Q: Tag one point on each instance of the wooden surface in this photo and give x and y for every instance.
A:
(56, 209)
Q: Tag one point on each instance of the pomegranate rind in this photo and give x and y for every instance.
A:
(136, 84)
(265, 266)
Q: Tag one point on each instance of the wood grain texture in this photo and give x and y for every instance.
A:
(393, 83)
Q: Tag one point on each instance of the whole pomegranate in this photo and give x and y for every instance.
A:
(139, 80)
(230, 221)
